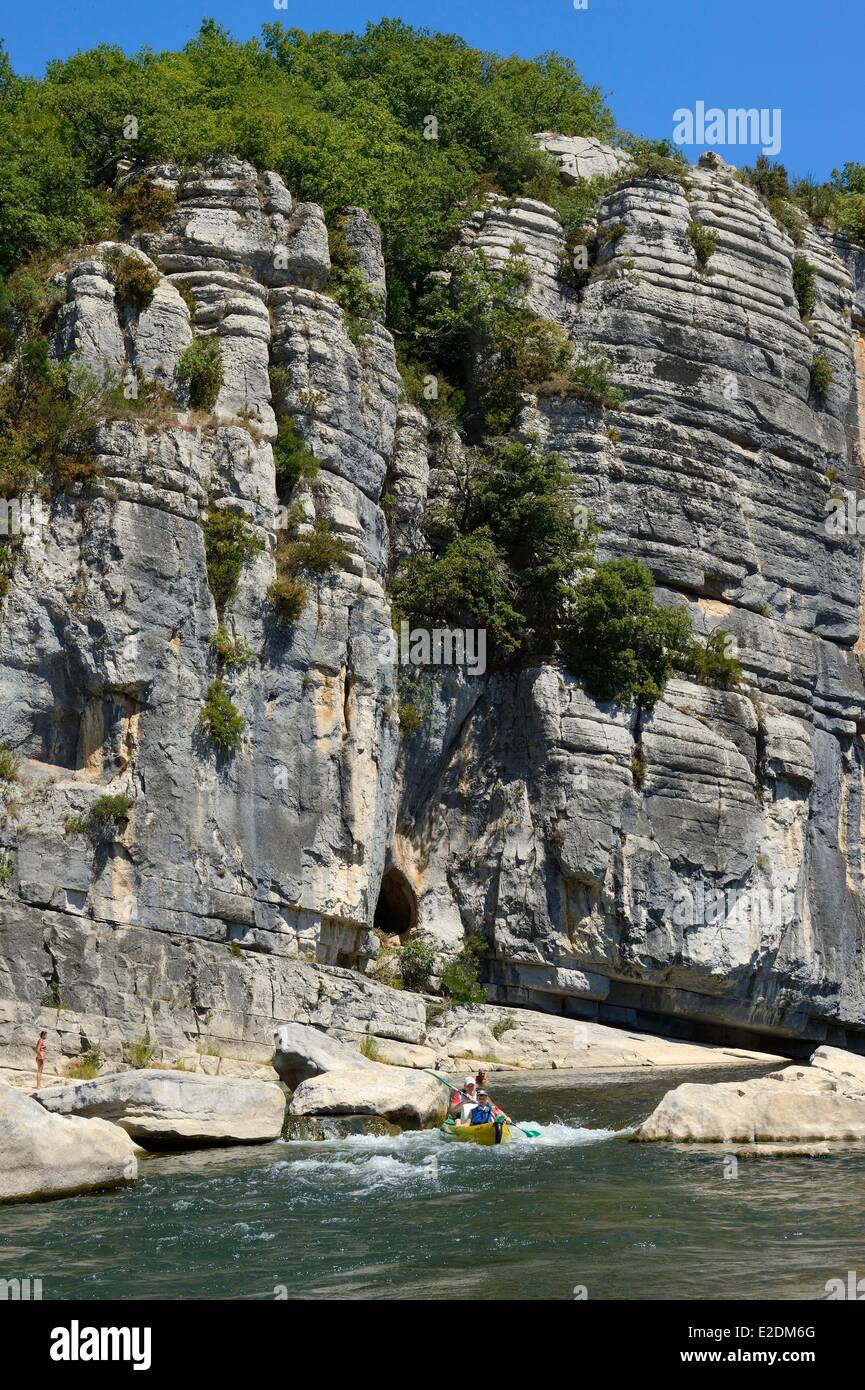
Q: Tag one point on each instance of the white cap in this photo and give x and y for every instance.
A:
(469, 1081)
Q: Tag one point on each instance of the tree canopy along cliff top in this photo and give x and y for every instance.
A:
(341, 116)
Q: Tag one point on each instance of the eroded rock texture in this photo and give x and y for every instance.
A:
(714, 879)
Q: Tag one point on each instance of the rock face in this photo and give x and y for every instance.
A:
(713, 884)
(43, 1155)
(171, 1110)
(722, 886)
(823, 1101)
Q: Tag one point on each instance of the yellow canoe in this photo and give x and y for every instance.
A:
(476, 1134)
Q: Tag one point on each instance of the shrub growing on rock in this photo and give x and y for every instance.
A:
(317, 551)
(49, 413)
(220, 719)
(233, 653)
(110, 810)
(87, 1066)
(292, 458)
(9, 764)
(460, 977)
(288, 597)
(200, 368)
(591, 379)
(478, 328)
(712, 663)
(502, 554)
(417, 964)
(229, 543)
(134, 281)
(143, 206)
(704, 243)
(822, 373)
(804, 285)
(619, 640)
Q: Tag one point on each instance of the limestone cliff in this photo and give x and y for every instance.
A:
(234, 885)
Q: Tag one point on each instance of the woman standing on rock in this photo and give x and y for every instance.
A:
(40, 1057)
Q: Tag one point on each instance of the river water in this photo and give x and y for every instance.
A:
(416, 1218)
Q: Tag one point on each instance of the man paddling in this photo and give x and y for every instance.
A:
(463, 1102)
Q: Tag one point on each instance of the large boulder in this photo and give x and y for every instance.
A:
(824, 1100)
(176, 1110)
(303, 1052)
(407, 1098)
(334, 1078)
(44, 1155)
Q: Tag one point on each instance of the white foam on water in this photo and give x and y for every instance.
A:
(559, 1133)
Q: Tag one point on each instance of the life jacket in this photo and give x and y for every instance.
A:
(482, 1115)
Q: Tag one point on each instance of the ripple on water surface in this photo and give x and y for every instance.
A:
(414, 1217)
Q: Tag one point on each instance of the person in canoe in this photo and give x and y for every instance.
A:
(463, 1102)
(486, 1110)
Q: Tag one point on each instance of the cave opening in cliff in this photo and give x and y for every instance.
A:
(396, 909)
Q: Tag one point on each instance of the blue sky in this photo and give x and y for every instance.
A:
(649, 56)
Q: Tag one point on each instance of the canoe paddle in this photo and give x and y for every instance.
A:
(529, 1133)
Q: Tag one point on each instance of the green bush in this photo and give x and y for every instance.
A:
(140, 1054)
(804, 285)
(221, 720)
(87, 1066)
(109, 810)
(411, 719)
(502, 555)
(786, 216)
(317, 551)
(49, 413)
(619, 640)
(134, 282)
(460, 977)
(233, 653)
(417, 964)
(229, 544)
(770, 180)
(590, 379)
(143, 206)
(349, 288)
(200, 368)
(292, 458)
(288, 597)
(9, 764)
(655, 159)
(822, 374)
(479, 327)
(638, 766)
(703, 241)
(711, 663)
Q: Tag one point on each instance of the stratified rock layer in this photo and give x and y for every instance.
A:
(700, 869)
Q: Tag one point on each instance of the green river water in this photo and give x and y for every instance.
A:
(416, 1218)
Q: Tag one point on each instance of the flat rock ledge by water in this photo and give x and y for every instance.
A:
(334, 1079)
(821, 1101)
(44, 1155)
(175, 1110)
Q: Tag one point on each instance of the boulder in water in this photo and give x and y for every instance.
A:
(176, 1110)
(824, 1100)
(44, 1155)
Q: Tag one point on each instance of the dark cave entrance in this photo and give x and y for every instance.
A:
(396, 909)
